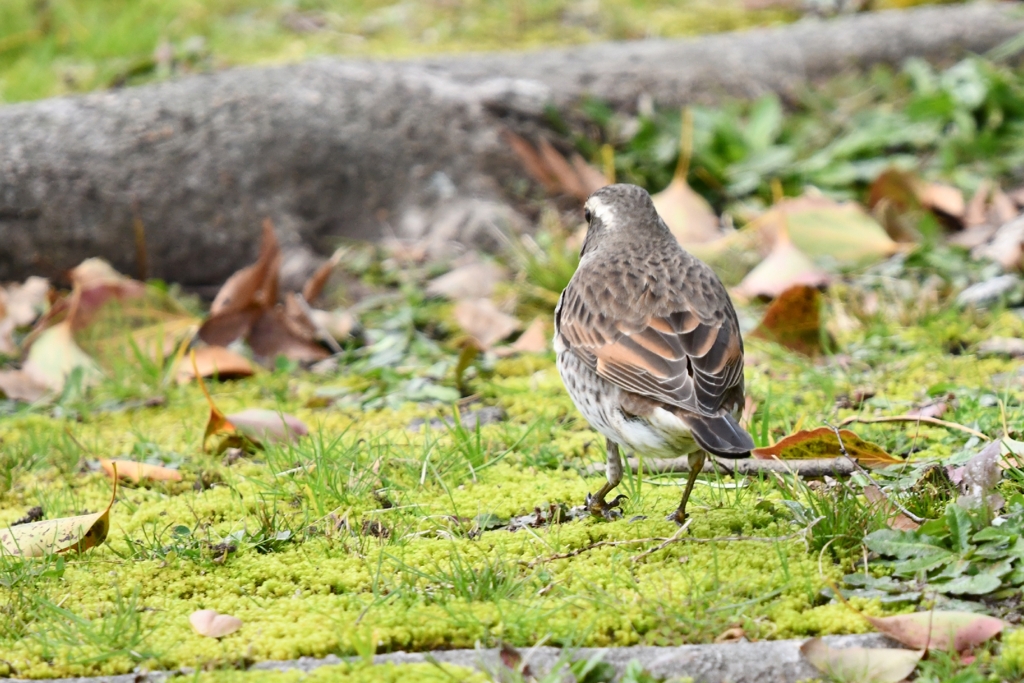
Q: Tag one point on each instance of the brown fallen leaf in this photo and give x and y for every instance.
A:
(785, 267)
(861, 664)
(939, 631)
(212, 624)
(894, 518)
(61, 535)
(261, 425)
(943, 198)
(138, 471)
(213, 361)
(256, 425)
(98, 282)
(25, 302)
(19, 385)
(470, 281)
(822, 443)
(793, 320)
(315, 284)
(549, 168)
(688, 215)
(338, 323)
(274, 334)
(534, 339)
(562, 170)
(1005, 246)
(483, 322)
(245, 295)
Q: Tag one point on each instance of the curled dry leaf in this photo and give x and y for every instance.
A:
(255, 424)
(793, 320)
(338, 323)
(687, 214)
(214, 361)
(534, 339)
(315, 284)
(275, 333)
(861, 664)
(138, 471)
(58, 535)
(212, 624)
(98, 282)
(481, 320)
(822, 443)
(785, 267)
(549, 168)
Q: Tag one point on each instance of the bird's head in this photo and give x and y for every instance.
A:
(619, 213)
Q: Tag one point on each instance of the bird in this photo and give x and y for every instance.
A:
(648, 344)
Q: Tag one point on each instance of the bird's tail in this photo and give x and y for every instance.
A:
(721, 435)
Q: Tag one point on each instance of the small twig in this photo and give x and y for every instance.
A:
(321, 332)
(914, 418)
(672, 539)
(895, 504)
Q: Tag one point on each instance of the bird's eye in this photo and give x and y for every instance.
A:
(586, 215)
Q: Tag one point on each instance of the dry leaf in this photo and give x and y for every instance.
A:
(138, 471)
(793, 320)
(245, 295)
(25, 302)
(273, 334)
(315, 284)
(944, 198)
(939, 631)
(98, 282)
(861, 664)
(54, 355)
(58, 535)
(822, 443)
(534, 339)
(261, 426)
(210, 623)
(213, 361)
(18, 385)
(562, 171)
(470, 281)
(1005, 246)
(785, 267)
(687, 214)
(255, 424)
(338, 323)
(894, 518)
(820, 226)
(535, 167)
(592, 179)
(482, 321)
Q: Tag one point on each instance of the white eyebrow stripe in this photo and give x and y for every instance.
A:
(605, 212)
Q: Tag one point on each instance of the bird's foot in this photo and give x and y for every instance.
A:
(601, 508)
(678, 516)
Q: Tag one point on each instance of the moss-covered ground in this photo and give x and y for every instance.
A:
(371, 536)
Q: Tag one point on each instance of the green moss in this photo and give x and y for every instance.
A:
(365, 534)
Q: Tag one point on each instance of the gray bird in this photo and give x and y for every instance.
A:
(648, 344)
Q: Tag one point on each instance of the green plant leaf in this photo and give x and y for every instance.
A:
(960, 528)
(979, 584)
(903, 544)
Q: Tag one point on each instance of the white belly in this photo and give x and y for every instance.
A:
(661, 435)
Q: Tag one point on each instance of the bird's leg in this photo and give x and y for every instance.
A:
(596, 503)
(696, 462)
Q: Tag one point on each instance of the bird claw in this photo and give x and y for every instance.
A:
(600, 508)
(677, 516)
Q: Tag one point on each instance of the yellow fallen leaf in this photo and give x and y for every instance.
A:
(58, 535)
(138, 471)
(212, 624)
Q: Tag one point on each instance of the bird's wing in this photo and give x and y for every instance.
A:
(671, 351)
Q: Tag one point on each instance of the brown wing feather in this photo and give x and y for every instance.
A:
(676, 344)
